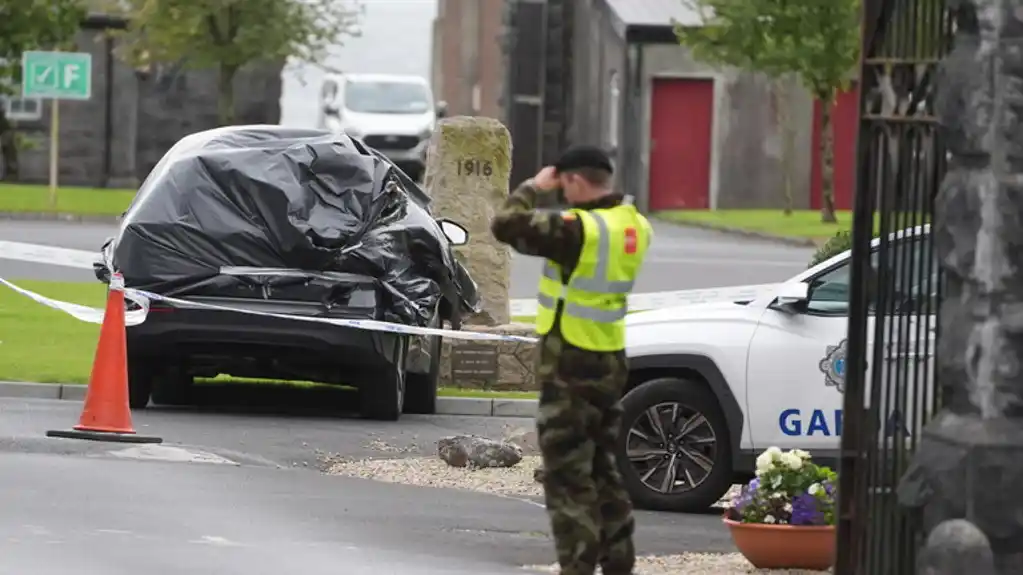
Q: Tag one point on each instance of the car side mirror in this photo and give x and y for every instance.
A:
(456, 234)
(442, 109)
(792, 297)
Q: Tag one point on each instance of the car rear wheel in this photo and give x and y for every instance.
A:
(384, 398)
(174, 386)
(421, 388)
(141, 377)
(674, 451)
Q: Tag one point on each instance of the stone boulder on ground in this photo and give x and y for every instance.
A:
(475, 451)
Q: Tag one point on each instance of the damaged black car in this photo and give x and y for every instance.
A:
(258, 234)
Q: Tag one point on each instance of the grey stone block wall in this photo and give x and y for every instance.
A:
(970, 462)
(148, 114)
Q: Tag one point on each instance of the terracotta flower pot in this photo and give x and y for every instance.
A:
(785, 546)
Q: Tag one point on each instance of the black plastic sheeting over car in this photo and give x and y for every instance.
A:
(319, 213)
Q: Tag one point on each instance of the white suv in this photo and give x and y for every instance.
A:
(713, 384)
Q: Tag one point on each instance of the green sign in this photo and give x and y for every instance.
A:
(59, 75)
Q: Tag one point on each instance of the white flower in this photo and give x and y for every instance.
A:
(804, 455)
(767, 459)
(791, 460)
(815, 489)
(769, 519)
(788, 508)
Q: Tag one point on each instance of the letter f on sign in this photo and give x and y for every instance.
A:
(70, 74)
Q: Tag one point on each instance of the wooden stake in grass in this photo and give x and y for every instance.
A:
(54, 149)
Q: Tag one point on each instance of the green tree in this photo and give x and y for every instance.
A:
(28, 25)
(818, 41)
(230, 34)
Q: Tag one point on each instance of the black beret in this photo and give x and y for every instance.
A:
(578, 157)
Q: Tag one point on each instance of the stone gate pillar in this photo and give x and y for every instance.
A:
(970, 462)
(466, 176)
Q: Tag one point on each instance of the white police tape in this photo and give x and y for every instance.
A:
(81, 259)
(86, 313)
(143, 299)
(661, 300)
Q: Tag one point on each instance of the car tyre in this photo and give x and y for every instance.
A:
(692, 398)
(141, 378)
(173, 387)
(384, 399)
(421, 388)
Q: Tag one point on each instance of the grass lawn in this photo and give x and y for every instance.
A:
(43, 345)
(78, 201)
(799, 224)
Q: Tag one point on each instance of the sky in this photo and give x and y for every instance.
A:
(397, 38)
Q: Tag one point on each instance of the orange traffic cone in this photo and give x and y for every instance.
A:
(106, 415)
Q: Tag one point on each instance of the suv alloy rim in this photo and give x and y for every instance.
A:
(671, 448)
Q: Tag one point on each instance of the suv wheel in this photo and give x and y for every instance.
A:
(674, 451)
(384, 398)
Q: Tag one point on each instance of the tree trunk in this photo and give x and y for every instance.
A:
(827, 143)
(225, 95)
(781, 115)
(8, 149)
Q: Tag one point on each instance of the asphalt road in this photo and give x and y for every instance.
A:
(87, 508)
(679, 258)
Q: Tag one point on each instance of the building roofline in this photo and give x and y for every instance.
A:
(639, 33)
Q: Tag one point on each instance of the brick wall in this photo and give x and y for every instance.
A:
(469, 34)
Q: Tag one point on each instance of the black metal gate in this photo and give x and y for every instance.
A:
(896, 282)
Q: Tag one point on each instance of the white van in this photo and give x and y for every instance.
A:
(395, 114)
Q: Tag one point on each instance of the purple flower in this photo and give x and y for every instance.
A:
(745, 497)
(829, 488)
(805, 511)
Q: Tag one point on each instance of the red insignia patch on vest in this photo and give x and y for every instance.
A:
(630, 240)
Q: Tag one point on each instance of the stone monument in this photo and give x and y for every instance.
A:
(467, 170)
(970, 460)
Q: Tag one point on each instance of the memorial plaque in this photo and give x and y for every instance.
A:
(474, 361)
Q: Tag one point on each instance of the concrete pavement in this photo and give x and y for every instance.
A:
(86, 508)
(679, 258)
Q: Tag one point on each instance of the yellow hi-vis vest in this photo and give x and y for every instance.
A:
(615, 240)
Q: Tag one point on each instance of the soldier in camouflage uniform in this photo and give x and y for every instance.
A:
(581, 368)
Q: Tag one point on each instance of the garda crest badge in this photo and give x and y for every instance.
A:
(833, 366)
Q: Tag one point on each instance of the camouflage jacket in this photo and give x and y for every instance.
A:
(542, 231)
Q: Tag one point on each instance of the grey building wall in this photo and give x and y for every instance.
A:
(747, 170)
(117, 136)
(598, 51)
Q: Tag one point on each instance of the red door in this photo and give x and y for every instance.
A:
(680, 140)
(845, 119)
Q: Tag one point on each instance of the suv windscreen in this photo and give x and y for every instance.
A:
(386, 97)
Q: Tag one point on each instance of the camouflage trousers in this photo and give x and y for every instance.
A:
(589, 508)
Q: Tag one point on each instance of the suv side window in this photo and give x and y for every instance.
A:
(829, 291)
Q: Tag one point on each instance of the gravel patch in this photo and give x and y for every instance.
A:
(693, 564)
(514, 481)
(431, 471)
